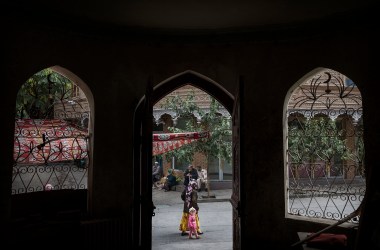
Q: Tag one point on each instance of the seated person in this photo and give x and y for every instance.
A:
(170, 181)
(202, 178)
(190, 173)
(157, 174)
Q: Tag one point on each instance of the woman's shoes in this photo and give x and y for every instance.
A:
(200, 232)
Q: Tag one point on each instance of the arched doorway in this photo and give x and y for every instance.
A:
(143, 207)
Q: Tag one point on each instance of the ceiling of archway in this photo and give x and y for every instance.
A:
(188, 15)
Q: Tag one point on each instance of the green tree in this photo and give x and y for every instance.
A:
(217, 145)
(38, 94)
(358, 154)
(316, 139)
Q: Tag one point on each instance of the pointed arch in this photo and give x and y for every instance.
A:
(323, 149)
(143, 207)
(59, 133)
(81, 84)
(197, 80)
(205, 86)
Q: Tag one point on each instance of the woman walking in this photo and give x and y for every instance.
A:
(190, 198)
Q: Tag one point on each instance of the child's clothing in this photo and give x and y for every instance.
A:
(192, 225)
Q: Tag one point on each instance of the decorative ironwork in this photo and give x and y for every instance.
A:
(51, 135)
(325, 149)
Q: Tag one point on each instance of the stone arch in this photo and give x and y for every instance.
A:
(89, 121)
(197, 80)
(322, 96)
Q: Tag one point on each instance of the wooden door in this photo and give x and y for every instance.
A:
(236, 197)
(143, 207)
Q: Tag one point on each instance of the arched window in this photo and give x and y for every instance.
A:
(51, 134)
(324, 147)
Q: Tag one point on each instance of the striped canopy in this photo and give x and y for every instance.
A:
(163, 143)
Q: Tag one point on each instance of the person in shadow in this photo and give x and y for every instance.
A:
(170, 181)
(190, 173)
(157, 173)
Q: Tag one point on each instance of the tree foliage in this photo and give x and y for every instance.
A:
(218, 145)
(317, 139)
(38, 94)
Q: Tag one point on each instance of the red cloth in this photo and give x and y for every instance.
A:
(161, 147)
(329, 241)
(62, 142)
(163, 143)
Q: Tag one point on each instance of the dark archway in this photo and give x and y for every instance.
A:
(143, 205)
(198, 81)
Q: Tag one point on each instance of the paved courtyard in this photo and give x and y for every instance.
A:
(215, 216)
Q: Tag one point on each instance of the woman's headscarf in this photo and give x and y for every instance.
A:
(189, 190)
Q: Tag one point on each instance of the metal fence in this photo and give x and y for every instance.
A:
(319, 191)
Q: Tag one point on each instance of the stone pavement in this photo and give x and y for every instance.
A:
(215, 217)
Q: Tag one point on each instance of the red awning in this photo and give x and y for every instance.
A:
(163, 143)
(54, 140)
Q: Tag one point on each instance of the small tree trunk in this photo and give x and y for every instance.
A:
(208, 180)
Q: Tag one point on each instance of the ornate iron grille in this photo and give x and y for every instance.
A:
(325, 149)
(51, 135)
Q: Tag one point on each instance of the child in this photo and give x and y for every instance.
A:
(192, 224)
